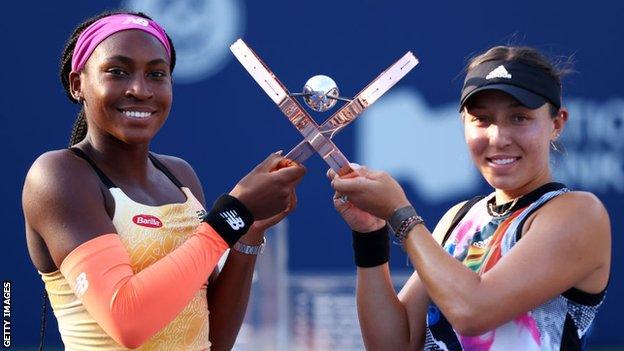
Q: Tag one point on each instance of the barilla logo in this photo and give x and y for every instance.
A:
(147, 221)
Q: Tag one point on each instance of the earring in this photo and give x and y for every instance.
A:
(77, 96)
(556, 145)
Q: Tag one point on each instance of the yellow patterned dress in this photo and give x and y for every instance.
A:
(148, 233)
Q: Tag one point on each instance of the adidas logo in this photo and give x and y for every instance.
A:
(498, 72)
(233, 219)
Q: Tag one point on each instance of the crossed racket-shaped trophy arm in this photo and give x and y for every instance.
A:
(318, 139)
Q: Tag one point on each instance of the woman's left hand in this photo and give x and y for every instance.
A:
(255, 235)
(372, 191)
(358, 220)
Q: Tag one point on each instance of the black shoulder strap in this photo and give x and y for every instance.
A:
(109, 183)
(459, 215)
(165, 170)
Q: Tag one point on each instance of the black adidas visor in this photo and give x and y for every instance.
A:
(530, 85)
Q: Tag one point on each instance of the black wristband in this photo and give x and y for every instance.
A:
(230, 218)
(402, 221)
(371, 249)
(401, 215)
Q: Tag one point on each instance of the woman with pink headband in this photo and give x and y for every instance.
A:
(120, 234)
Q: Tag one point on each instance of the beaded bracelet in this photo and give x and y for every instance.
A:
(402, 221)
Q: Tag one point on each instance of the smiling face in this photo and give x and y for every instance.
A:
(126, 87)
(510, 143)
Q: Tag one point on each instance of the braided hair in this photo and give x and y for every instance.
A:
(79, 130)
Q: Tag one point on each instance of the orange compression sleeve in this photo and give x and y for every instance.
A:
(133, 307)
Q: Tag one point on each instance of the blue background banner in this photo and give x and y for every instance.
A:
(223, 124)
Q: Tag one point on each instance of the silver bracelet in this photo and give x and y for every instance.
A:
(250, 249)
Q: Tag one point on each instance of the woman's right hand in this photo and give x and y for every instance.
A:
(372, 191)
(268, 189)
(357, 219)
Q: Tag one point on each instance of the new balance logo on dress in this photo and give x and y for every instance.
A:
(498, 72)
(233, 219)
(201, 214)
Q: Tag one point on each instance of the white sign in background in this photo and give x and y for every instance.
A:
(202, 31)
(593, 159)
(402, 134)
(424, 146)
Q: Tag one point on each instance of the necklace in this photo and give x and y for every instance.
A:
(502, 210)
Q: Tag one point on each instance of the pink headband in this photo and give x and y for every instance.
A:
(101, 29)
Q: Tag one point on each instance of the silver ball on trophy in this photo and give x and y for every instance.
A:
(320, 93)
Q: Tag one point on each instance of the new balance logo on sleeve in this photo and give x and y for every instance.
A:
(82, 284)
(233, 219)
(498, 72)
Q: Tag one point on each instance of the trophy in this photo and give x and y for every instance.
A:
(320, 93)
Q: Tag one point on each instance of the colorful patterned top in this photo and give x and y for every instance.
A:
(479, 241)
(148, 233)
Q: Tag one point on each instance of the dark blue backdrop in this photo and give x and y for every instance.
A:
(223, 124)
